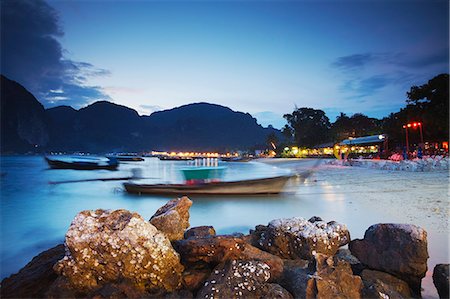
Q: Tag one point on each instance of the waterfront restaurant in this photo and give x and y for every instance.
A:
(368, 146)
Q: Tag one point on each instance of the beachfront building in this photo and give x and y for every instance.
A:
(367, 146)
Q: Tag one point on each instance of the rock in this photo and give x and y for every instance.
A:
(35, 278)
(295, 278)
(298, 238)
(314, 219)
(345, 255)
(61, 288)
(275, 263)
(195, 278)
(237, 279)
(212, 250)
(398, 249)
(333, 280)
(441, 279)
(273, 290)
(199, 232)
(110, 246)
(383, 285)
(173, 218)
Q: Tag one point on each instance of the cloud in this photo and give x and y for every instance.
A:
(32, 55)
(437, 57)
(365, 87)
(351, 62)
(367, 74)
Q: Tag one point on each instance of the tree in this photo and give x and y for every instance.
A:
(309, 126)
(429, 103)
(355, 126)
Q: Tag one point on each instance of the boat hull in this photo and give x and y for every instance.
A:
(58, 164)
(273, 185)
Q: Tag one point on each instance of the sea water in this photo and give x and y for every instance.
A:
(36, 214)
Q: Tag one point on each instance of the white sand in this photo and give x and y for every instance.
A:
(364, 196)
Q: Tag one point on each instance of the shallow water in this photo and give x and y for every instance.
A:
(35, 214)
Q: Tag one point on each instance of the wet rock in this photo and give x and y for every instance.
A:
(333, 280)
(298, 238)
(109, 246)
(173, 218)
(383, 285)
(212, 250)
(441, 279)
(398, 249)
(241, 279)
(345, 255)
(199, 232)
(33, 280)
(295, 278)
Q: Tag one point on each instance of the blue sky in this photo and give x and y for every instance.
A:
(264, 58)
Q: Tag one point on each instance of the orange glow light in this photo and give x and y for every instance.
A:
(409, 125)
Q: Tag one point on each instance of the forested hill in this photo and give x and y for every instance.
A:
(106, 127)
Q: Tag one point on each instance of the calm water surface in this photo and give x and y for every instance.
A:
(35, 214)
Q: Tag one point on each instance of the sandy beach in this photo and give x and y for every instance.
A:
(363, 196)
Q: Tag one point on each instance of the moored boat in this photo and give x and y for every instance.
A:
(272, 185)
(128, 158)
(82, 163)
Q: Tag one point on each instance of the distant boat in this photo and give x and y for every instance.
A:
(82, 163)
(236, 159)
(129, 158)
(272, 185)
(175, 158)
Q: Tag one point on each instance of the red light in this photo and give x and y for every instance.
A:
(415, 124)
(404, 127)
(419, 124)
(409, 125)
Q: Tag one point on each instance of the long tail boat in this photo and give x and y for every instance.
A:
(82, 164)
(272, 185)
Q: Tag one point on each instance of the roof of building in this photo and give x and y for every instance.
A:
(364, 140)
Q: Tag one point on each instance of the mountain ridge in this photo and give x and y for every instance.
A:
(106, 127)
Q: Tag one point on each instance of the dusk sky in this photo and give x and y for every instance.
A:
(264, 58)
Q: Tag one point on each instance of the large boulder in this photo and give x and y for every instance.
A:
(241, 279)
(441, 279)
(105, 246)
(398, 249)
(333, 279)
(33, 280)
(296, 237)
(383, 285)
(173, 218)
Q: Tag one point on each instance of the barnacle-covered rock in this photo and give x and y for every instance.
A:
(241, 279)
(105, 246)
(296, 237)
(173, 218)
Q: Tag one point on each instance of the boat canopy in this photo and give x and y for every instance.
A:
(365, 140)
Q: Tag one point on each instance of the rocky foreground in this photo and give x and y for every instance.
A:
(118, 254)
